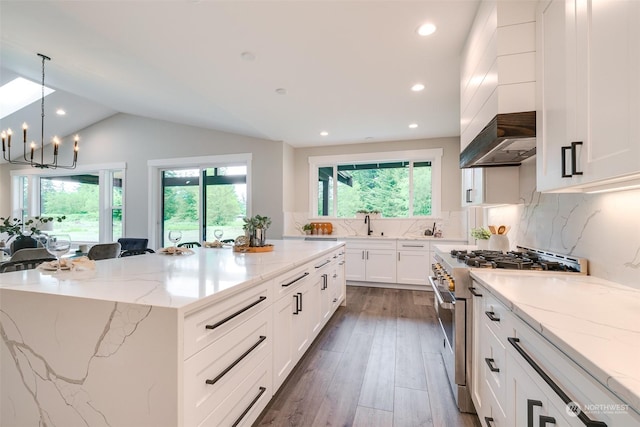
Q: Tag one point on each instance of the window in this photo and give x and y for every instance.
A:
(197, 196)
(197, 211)
(397, 184)
(90, 199)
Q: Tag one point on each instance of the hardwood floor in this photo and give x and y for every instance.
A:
(376, 363)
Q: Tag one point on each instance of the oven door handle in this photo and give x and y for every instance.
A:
(441, 302)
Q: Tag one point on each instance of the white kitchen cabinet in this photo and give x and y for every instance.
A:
(371, 260)
(514, 367)
(290, 322)
(490, 186)
(589, 95)
(413, 262)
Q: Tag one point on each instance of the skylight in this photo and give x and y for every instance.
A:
(19, 93)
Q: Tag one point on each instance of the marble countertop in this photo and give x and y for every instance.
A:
(182, 281)
(593, 321)
(363, 237)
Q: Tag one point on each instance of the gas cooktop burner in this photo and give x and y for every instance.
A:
(514, 260)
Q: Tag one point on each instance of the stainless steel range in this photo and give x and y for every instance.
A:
(451, 284)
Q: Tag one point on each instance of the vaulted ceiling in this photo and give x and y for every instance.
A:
(280, 70)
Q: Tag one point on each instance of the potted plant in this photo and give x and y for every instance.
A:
(482, 236)
(24, 232)
(307, 228)
(256, 229)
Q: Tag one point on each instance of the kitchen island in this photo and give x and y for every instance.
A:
(159, 340)
(580, 331)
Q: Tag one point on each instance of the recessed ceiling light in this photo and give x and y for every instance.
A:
(61, 112)
(417, 87)
(426, 29)
(281, 91)
(413, 125)
(324, 133)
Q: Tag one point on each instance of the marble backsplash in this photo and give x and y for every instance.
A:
(604, 228)
(453, 225)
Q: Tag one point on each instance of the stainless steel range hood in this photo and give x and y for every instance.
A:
(506, 141)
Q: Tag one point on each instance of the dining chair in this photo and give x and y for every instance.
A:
(134, 246)
(190, 245)
(104, 251)
(26, 259)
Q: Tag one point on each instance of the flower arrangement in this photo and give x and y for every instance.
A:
(32, 226)
(480, 233)
(307, 228)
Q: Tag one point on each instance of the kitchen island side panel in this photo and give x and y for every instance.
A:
(77, 362)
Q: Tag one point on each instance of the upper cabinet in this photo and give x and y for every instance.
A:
(490, 186)
(588, 95)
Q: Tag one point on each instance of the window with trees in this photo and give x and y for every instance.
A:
(199, 201)
(91, 199)
(397, 184)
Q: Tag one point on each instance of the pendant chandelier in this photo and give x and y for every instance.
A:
(6, 142)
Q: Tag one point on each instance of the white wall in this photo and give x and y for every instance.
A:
(604, 228)
(135, 140)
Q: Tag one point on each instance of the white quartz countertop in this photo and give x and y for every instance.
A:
(593, 321)
(377, 236)
(181, 281)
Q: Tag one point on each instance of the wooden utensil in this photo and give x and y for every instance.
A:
(502, 229)
(492, 229)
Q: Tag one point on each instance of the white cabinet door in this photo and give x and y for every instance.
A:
(413, 267)
(283, 348)
(304, 314)
(381, 265)
(355, 264)
(490, 186)
(589, 103)
(477, 384)
(609, 57)
(525, 399)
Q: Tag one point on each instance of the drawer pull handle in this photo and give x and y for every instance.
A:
(235, 362)
(474, 292)
(325, 282)
(323, 264)
(544, 420)
(488, 421)
(492, 364)
(561, 394)
(530, 404)
(236, 314)
(246, 411)
(300, 301)
(296, 296)
(284, 285)
(492, 315)
(412, 246)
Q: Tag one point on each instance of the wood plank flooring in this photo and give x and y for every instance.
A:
(376, 363)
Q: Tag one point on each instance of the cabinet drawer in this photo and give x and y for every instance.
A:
(243, 404)
(212, 372)
(210, 323)
(370, 244)
(404, 245)
(496, 315)
(494, 365)
(286, 283)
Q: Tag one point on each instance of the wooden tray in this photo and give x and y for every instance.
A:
(253, 249)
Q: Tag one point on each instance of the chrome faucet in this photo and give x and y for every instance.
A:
(367, 221)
